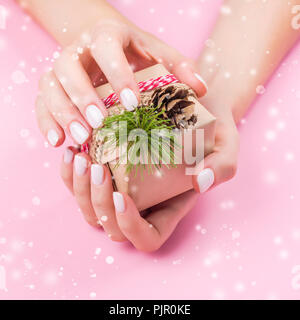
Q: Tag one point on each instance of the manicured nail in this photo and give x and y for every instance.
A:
(119, 202)
(128, 99)
(52, 137)
(205, 179)
(68, 156)
(201, 79)
(97, 174)
(78, 132)
(80, 165)
(94, 116)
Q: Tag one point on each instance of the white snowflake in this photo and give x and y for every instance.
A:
(296, 278)
(18, 77)
(260, 89)
(219, 294)
(283, 254)
(198, 227)
(280, 125)
(271, 177)
(3, 17)
(289, 156)
(31, 143)
(270, 135)
(36, 201)
(277, 240)
(296, 234)
(273, 111)
(239, 287)
(93, 295)
(24, 214)
(109, 259)
(3, 278)
(226, 10)
(235, 235)
(24, 133)
(227, 75)
(97, 251)
(227, 205)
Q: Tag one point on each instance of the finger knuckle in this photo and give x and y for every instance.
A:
(91, 221)
(118, 238)
(80, 193)
(106, 32)
(128, 227)
(98, 204)
(64, 175)
(60, 63)
(64, 55)
(230, 169)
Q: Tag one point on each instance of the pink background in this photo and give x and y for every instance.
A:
(241, 241)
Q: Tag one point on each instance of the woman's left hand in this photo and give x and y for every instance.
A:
(91, 185)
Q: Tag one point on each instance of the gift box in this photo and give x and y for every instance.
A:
(175, 102)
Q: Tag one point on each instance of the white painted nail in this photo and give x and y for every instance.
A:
(68, 156)
(97, 174)
(205, 179)
(94, 116)
(201, 79)
(80, 165)
(128, 99)
(119, 202)
(78, 132)
(52, 137)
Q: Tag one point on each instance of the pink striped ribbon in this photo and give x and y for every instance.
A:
(143, 86)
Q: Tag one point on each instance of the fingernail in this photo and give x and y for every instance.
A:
(94, 116)
(68, 156)
(119, 202)
(78, 132)
(205, 179)
(128, 99)
(80, 165)
(97, 174)
(52, 137)
(201, 79)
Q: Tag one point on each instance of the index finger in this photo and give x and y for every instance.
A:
(108, 51)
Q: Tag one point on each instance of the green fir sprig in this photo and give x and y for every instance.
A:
(156, 147)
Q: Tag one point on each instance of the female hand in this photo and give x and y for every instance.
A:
(68, 102)
(116, 212)
(92, 187)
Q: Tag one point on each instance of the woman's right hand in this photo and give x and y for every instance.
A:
(68, 102)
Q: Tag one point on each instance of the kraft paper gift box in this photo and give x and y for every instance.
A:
(149, 189)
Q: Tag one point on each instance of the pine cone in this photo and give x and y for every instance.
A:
(177, 102)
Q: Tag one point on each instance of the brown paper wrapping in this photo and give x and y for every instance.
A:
(152, 188)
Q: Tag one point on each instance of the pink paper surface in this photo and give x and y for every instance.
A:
(241, 241)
